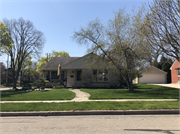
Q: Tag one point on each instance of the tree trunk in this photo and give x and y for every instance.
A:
(129, 81)
(130, 86)
(14, 79)
(21, 79)
(15, 74)
(131, 89)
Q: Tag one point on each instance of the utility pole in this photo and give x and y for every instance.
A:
(47, 57)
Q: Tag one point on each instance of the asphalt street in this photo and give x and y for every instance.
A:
(98, 124)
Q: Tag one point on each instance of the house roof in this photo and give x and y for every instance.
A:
(68, 62)
(55, 61)
(173, 64)
(151, 69)
(81, 62)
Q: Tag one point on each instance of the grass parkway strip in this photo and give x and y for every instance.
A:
(99, 105)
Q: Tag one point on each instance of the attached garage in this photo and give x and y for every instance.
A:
(152, 75)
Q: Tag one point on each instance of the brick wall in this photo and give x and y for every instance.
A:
(174, 73)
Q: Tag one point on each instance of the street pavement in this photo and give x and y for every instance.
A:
(91, 124)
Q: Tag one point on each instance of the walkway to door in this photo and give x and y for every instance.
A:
(80, 96)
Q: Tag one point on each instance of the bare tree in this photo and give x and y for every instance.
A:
(26, 41)
(162, 26)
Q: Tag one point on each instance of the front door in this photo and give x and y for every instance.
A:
(78, 78)
(70, 78)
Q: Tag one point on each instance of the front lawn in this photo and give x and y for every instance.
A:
(142, 91)
(108, 105)
(55, 94)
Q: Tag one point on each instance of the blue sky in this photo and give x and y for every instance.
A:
(58, 19)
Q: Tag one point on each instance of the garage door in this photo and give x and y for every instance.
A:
(153, 79)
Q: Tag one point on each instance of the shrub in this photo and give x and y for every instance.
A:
(35, 83)
(39, 83)
(48, 85)
(27, 86)
(58, 87)
(46, 81)
(18, 82)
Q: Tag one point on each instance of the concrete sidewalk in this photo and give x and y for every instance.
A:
(85, 100)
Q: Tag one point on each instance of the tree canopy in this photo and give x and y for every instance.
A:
(162, 26)
(116, 41)
(5, 39)
(42, 61)
(27, 41)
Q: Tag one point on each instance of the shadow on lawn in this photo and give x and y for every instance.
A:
(151, 94)
(142, 86)
(8, 93)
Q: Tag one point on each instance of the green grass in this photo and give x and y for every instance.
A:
(129, 105)
(55, 94)
(142, 91)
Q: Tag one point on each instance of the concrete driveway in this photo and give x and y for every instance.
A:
(7, 88)
(169, 85)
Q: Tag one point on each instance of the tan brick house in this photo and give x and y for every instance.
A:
(80, 71)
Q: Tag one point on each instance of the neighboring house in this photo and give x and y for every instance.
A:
(4, 75)
(76, 71)
(175, 72)
(152, 75)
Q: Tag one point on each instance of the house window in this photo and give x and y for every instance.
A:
(178, 72)
(100, 76)
(78, 75)
(94, 75)
(54, 75)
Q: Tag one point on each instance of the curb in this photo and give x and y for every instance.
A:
(92, 112)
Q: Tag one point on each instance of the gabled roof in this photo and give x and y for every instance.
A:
(55, 61)
(173, 64)
(80, 63)
(151, 68)
(68, 62)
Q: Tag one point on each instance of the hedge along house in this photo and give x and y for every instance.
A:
(80, 71)
(175, 72)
